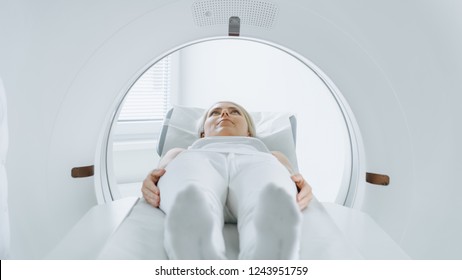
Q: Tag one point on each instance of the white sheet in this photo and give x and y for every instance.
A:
(140, 236)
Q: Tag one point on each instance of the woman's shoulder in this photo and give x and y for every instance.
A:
(169, 156)
(279, 154)
(174, 151)
(284, 160)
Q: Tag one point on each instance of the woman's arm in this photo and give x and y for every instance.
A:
(305, 192)
(149, 189)
(284, 160)
(168, 157)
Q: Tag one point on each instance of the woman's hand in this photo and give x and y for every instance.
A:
(305, 193)
(150, 190)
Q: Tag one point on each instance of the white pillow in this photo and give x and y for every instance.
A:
(276, 130)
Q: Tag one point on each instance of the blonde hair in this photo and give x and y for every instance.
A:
(248, 119)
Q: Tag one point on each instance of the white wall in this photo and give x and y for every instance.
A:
(4, 212)
(131, 165)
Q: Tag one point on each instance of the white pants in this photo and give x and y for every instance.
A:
(231, 182)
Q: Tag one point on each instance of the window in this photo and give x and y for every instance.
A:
(148, 99)
(145, 105)
(136, 131)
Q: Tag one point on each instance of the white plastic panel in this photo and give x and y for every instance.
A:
(90, 234)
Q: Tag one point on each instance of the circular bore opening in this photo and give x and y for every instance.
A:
(258, 75)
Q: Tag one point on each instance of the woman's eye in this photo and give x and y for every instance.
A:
(236, 112)
(214, 113)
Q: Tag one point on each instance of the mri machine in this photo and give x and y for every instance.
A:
(395, 65)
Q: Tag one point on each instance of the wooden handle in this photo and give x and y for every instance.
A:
(377, 179)
(83, 171)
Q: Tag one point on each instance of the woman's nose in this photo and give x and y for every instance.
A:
(224, 112)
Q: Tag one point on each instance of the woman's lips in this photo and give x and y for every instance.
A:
(224, 121)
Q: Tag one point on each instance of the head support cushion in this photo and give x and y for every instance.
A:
(277, 130)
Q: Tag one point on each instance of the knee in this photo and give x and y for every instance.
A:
(204, 195)
(275, 194)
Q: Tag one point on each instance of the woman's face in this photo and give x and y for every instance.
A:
(225, 119)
